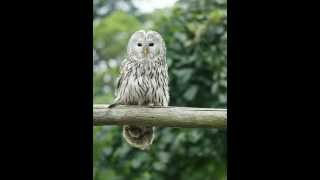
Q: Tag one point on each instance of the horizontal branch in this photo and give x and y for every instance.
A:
(187, 117)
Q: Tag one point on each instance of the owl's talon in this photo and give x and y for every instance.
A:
(113, 105)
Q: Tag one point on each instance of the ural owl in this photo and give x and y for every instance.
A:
(143, 81)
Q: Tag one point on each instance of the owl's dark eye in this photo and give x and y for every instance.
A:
(139, 44)
(150, 44)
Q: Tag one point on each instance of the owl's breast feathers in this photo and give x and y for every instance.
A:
(143, 83)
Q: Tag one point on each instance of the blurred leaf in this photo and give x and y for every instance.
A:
(190, 93)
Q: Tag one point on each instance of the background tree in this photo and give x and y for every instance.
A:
(195, 32)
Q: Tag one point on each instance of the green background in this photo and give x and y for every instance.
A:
(195, 32)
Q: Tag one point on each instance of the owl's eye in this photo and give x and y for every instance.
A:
(139, 44)
(150, 44)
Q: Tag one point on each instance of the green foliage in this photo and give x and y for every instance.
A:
(195, 32)
(112, 33)
(197, 51)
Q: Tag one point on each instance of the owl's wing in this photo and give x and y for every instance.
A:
(123, 64)
(122, 71)
(119, 81)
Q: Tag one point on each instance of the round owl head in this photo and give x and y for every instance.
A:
(146, 45)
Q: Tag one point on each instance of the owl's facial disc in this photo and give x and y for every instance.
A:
(145, 45)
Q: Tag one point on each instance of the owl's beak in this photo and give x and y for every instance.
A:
(145, 51)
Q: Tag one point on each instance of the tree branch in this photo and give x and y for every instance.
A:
(186, 117)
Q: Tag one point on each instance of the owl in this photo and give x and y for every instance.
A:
(143, 81)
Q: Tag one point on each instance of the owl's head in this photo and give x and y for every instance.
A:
(146, 45)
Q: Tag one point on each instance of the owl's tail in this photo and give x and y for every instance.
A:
(139, 137)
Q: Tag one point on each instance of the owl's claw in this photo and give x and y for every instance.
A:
(113, 105)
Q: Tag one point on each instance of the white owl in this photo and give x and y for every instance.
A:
(143, 81)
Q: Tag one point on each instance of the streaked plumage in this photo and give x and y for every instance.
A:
(143, 81)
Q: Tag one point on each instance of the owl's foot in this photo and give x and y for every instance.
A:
(113, 105)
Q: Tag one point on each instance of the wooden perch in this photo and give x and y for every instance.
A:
(186, 117)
